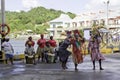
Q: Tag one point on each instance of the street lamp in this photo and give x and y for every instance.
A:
(2, 17)
(107, 3)
(3, 11)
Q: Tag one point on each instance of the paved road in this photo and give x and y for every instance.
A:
(42, 71)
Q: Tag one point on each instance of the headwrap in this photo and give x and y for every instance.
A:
(76, 33)
(68, 34)
(95, 32)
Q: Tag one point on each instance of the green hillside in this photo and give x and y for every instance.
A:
(21, 21)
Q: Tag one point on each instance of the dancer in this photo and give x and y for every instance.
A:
(94, 48)
(76, 48)
(63, 52)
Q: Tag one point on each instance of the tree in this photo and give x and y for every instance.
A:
(36, 16)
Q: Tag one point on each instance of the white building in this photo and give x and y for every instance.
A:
(84, 21)
(59, 25)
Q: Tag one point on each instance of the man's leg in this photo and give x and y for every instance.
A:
(55, 58)
(11, 60)
(26, 58)
(34, 60)
(38, 57)
(46, 58)
(6, 58)
(42, 58)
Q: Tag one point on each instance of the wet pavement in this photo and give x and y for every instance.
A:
(43, 71)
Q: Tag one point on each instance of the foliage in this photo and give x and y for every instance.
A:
(81, 32)
(71, 14)
(21, 21)
(40, 29)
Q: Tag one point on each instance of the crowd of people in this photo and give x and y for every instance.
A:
(48, 51)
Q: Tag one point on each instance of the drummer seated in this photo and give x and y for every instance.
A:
(49, 54)
(30, 54)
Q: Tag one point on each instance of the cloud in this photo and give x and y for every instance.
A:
(115, 3)
(101, 4)
(30, 3)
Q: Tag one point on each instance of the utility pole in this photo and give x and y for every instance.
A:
(107, 10)
(3, 18)
(3, 11)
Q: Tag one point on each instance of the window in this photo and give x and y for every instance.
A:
(54, 25)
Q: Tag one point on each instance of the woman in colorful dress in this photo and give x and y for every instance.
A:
(76, 48)
(94, 49)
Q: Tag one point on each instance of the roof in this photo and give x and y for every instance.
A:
(76, 19)
(62, 18)
(29, 30)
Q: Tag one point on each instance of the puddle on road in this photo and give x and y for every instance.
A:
(1, 75)
(20, 66)
(17, 70)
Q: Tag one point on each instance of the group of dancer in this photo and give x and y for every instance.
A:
(77, 42)
(78, 48)
(46, 51)
(45, 47)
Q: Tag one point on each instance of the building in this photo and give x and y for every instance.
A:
(59, 25)
(85, 21)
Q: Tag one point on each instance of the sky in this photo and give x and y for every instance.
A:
(74, 6)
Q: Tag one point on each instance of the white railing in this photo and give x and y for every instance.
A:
(113, 26)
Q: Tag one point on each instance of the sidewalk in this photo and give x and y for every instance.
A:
(42, 71)
(114, 55)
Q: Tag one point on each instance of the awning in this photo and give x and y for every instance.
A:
(103, 30)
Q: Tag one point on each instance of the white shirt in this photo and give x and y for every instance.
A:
(7, 47)
(29, 50)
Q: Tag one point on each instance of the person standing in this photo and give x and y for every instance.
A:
(94, 50)
(8, 50)
(76, 48)
(53, 45)
(63, 52)
(41, 45)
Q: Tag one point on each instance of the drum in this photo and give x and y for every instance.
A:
(30, 60)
